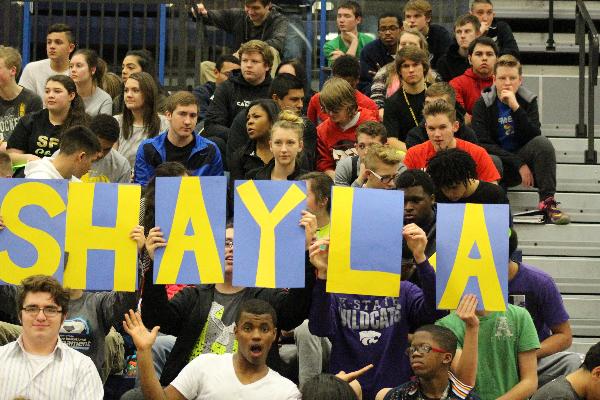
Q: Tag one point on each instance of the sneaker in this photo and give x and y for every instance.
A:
(552, 213)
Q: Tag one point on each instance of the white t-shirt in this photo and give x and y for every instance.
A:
(211, 376)
(35, 74)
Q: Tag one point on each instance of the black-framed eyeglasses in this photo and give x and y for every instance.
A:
(423, 349)
(229, 243)
(384, 178)
(48, 311)
(391, 29)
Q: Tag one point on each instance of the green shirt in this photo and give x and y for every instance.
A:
(338, 44)
(502, 336)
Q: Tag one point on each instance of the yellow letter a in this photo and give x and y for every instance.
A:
(190, 208)
(474, 232)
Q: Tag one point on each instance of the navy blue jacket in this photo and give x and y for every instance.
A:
(372, 57)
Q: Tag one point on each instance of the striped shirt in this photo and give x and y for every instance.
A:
(66, 374)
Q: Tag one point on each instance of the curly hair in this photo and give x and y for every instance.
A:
(450, 167)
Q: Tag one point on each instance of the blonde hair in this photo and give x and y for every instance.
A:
(379, 152)
(440, 107)
(509, 61)
(338, 92)
(289, 120)
(260, 47)
(12, 58)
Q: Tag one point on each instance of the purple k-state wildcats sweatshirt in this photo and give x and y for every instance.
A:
(373, 330)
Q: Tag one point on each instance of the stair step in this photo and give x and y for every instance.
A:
(573, 275)
(565, 130)
(530, 9)
(536, 41)
(582, 345)
(581, 240)
(571, 150)
(581, 207)
(573, 178)
(583, 307)
(585, 327)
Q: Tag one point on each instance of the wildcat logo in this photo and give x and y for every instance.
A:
(369, 337)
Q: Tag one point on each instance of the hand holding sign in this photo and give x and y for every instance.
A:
(137, 235)
(154, 240)
(319, 257)
(416, 240)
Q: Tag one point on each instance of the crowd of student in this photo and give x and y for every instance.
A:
(443, 119)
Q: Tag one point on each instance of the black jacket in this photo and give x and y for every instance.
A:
(186, 313)
(238, 138)
(235, 21)
(264, 173)
(438, 40)
(452, 64)
(502, 34)
(232, 96)
(527, 126)
(418, 134)
(204, 94)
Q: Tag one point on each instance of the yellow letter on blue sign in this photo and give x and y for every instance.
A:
(365, 249)
(267, 214)
(472, 255)
(191, 213)
(100, 217)
(34, 239)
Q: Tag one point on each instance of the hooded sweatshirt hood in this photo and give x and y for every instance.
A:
(489, 95)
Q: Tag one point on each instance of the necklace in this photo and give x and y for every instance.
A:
(412, 113)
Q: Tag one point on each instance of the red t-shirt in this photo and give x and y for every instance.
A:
(331, 139)
(316, 114)
(418, 156)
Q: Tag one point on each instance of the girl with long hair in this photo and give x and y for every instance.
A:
(139, 119)
(262, 114)
(87, 72)
(37, 134)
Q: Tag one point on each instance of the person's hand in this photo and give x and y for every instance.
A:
(416, 240)
(509, 98)
(349, 37)
(154, 240)
(362, 173)
(142, 338)
(309, 222)
(526, 176)
(137, 235)
(199, 9)
(336, 53)
(468, 119)
(466, 310)
(2, 223)
(350, 376)
(318, 253)
(484, 28)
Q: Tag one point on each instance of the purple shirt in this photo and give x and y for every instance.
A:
(373, 330)
(542, 298)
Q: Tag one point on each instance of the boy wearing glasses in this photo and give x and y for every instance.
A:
(38, 361)
(380, 51)
(382, 165)
(434, 356)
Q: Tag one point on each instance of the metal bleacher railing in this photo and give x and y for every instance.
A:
(583, 24)
(179, 43)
